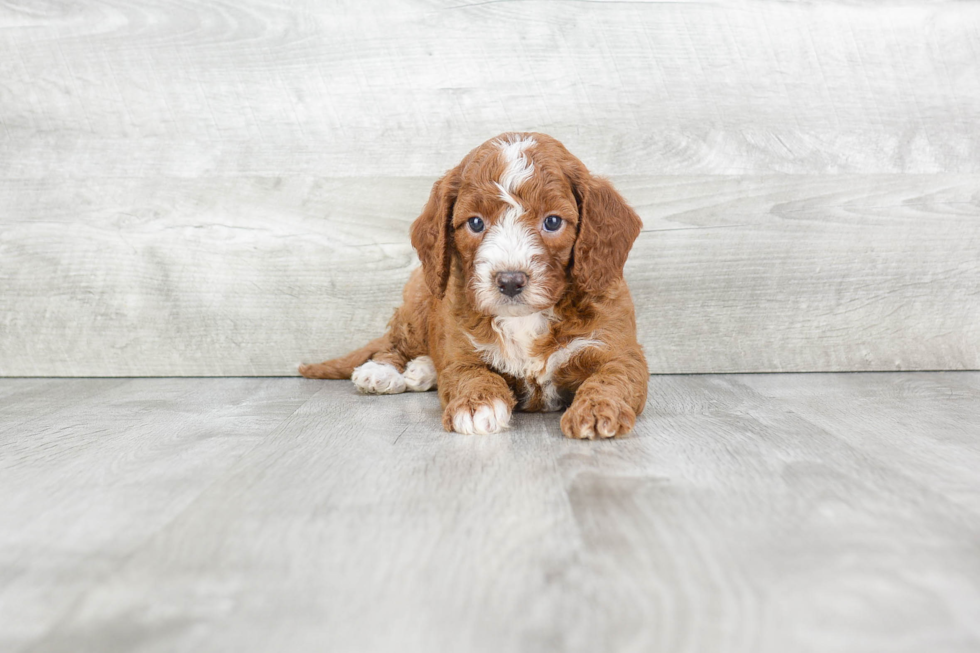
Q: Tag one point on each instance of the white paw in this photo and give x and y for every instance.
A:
(378, 378)
(485, 419)
(420, 374)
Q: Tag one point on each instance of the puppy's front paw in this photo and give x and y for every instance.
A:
(471, 417)
(378, 378)
(596, 416)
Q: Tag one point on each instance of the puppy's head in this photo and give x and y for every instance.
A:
(524, 221)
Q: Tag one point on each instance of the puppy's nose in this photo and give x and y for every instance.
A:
(511, 283)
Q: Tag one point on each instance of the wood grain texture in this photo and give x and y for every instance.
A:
(750, 514)
(187, 89)
(91, 469)
(205, 188)
(252, 276)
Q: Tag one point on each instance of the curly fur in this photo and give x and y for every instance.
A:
(567, 340)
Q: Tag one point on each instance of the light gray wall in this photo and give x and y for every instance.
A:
(212, 188)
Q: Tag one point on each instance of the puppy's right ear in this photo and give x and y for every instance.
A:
(432, 232)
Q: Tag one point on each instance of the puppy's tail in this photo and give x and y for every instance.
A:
(341, 368)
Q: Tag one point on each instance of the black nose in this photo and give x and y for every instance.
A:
(510, 283)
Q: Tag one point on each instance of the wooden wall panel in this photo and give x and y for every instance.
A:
(251, 275)
(213, 188)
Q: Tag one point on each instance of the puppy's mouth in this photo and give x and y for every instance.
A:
(514, 308)
(511, 293)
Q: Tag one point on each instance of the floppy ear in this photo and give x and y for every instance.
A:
(606, 230)
(432, 232)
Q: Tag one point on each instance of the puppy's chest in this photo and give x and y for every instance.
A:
(519, 351)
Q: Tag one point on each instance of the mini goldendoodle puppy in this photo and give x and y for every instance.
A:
(520, 301)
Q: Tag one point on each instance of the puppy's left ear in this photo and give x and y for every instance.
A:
(432, 233)
(607, 228)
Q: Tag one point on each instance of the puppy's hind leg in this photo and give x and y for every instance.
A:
(389, 370)
(343, 367)
(396, 361)
(402, 364)
(378, 378)
(375, 368)
(420, 374)
(381, 375)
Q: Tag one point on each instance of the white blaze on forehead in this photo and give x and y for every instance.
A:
(519, 167)
(509, 245)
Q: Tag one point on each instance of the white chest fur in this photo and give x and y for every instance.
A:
(511, 354)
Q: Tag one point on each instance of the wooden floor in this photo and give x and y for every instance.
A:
(757, 513)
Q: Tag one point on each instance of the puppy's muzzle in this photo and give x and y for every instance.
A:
(510, 283)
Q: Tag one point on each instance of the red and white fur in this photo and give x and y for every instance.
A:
(520, 301)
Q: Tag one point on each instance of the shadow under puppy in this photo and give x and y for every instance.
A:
(520, 300)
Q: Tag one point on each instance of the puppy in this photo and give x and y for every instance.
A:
(520, 301)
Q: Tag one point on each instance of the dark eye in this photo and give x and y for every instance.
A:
(476, 224)
(552, 223)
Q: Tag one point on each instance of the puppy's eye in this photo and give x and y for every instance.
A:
(552, 223)
(476, 224)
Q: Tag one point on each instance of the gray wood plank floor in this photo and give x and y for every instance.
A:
(826, 512)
